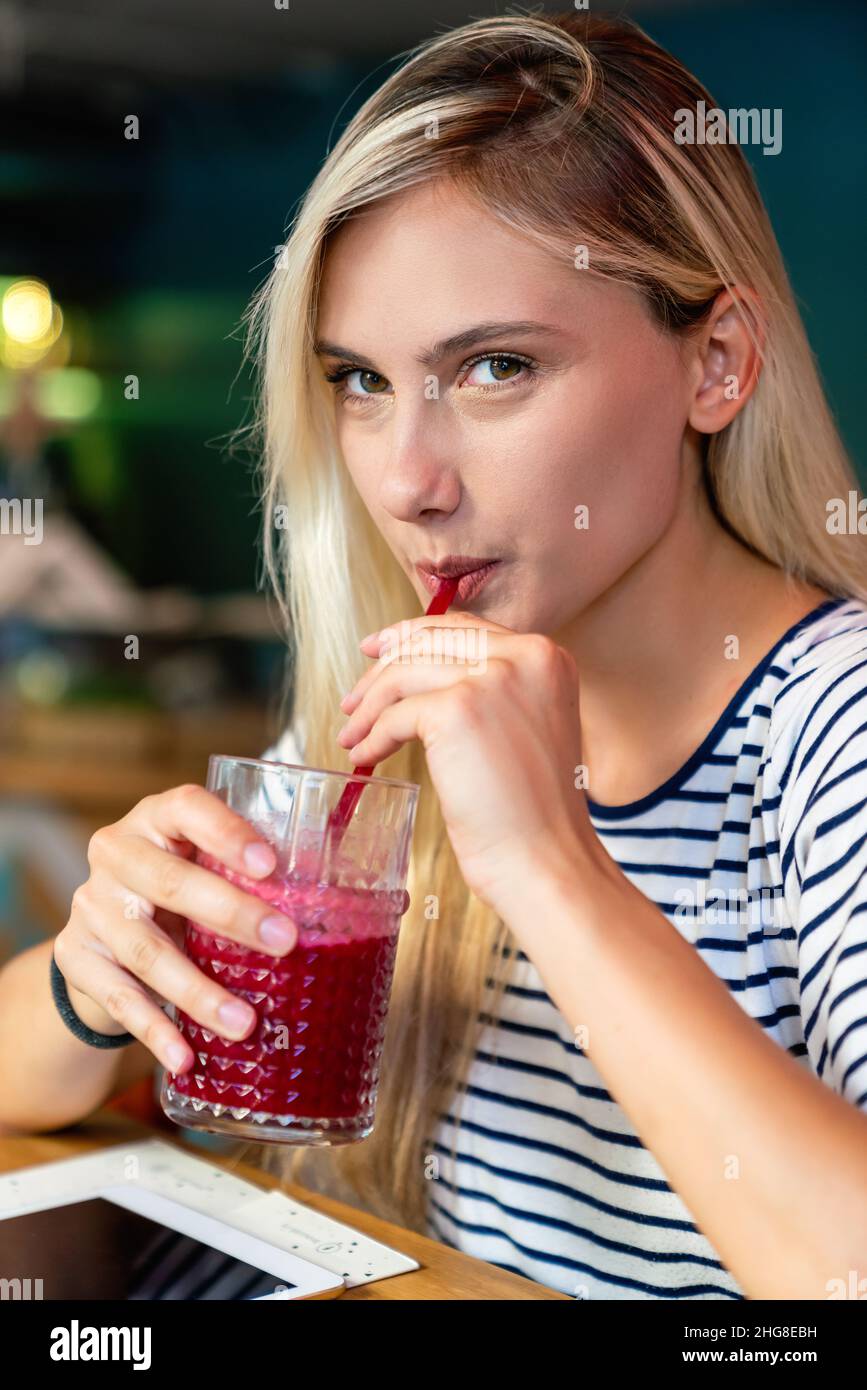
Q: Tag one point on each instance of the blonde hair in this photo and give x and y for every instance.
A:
(562, 126)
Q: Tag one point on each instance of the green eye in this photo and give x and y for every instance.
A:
(502, 368)
(353, 385)
(372, 382)
(497, 366)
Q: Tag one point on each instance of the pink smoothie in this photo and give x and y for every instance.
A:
(315, 1051)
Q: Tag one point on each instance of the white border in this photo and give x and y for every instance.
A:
(310, 1281)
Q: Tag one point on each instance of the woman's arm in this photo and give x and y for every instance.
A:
(771, 1163)
(119, 969)
(709, 1093)
(48, 1078)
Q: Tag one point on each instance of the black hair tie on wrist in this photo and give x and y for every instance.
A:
(73, 1022)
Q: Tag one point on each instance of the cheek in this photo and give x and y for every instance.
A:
(639, 452)
(611, 449)
(617, 453)
(359, 453)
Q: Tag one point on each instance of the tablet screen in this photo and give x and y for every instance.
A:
(96, 1249)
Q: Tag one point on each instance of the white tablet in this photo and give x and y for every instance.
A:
(128, 1243)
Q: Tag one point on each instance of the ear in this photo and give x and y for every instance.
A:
(727, 359)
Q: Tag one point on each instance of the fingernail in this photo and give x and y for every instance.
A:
(177, 1055)
(260, 858)
(278, 932)
(236, 1016)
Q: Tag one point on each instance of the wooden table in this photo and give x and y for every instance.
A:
(444, 1274)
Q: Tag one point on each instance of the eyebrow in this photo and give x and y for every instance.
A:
(457, 342)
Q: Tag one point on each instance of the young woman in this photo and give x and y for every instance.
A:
(518, 329)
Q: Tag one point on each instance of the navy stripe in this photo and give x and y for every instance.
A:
(543, 1146)
(653, 1290)
(829, 723)
(756, 852)
(708, 744)
(631, 1216)
(816, 922)
(583, 1232)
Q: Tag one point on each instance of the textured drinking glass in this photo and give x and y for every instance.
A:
(309, 1071)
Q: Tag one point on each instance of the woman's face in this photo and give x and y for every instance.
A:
(559, 393)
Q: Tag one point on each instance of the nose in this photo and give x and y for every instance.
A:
(421, 474)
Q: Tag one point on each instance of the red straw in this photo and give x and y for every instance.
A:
(339, 819)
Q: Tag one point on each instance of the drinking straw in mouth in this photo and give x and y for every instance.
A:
(339, 819)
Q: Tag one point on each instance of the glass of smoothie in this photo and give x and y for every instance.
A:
(308, 1073)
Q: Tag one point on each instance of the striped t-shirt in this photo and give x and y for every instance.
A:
(756, 852)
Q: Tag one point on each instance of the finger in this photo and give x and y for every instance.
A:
(152, 957)
(126, 1002)
(448, 645)
(389, 686)
(134, 908)
(453, 618)
(103, 886)
(396, 726)
(200, 894)
(193, 814)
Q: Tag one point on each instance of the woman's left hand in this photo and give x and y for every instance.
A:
(497, 712)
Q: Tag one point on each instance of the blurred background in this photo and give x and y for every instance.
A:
(134, 636)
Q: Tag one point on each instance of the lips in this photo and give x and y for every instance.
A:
(473, 573)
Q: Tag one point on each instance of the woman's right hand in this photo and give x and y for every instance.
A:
(121, 952)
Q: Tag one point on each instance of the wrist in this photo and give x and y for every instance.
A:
(546, 877)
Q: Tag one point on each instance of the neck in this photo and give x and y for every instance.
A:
(655, 654)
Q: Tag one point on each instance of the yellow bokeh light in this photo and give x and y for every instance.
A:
(27, 312)
(16, 354)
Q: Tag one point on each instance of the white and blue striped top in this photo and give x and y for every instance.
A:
(756, 851)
